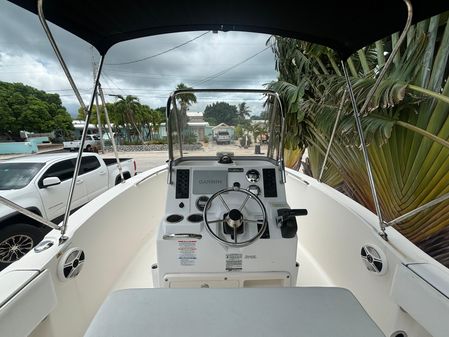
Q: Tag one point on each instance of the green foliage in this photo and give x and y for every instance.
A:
(158, 141)
(189, 138)
(183, 102)
(25, 108)
(407, 113)
(243, 111)
(130, 106)
(221, 112)
(238, 131)
(130, 119)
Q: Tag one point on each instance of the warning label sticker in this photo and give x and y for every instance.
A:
(233, 262)
(187, 252)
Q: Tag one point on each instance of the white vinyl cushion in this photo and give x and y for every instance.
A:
(249, 312)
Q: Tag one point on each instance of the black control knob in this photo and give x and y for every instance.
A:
(201, 202)
(254, 189)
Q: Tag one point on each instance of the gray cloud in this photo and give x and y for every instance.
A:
(26, 56)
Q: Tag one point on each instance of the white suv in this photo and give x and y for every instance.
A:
(223, 137)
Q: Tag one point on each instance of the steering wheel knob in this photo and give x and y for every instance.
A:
(234, 218)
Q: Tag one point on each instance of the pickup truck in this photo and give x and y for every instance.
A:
(92, 143)
(41, 184)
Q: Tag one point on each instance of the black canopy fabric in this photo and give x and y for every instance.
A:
(344, 25)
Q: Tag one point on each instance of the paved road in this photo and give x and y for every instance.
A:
(144, 160)
(148, 160)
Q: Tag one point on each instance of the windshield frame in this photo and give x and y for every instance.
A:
(171, 104)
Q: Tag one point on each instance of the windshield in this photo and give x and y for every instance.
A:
(213, 122)
(14, 176)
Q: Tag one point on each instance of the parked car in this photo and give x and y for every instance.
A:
(223, 137)
(41, 184)
(91, 144)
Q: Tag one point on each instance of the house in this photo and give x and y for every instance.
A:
(224, 127)
(197, 125)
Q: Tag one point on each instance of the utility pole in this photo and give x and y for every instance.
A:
(100, 128)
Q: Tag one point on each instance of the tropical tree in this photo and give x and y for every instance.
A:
(25, 108)
(243, 111)
(406, 124)
(129, 107)
(221, 112)
(184, 101)
(153, 119)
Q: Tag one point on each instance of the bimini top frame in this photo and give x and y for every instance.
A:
(344, 26)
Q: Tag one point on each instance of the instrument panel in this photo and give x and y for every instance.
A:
(201, 182)
(196, 181)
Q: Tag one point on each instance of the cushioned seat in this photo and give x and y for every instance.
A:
(249, 312)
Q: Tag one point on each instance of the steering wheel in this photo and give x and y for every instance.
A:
(234, 218)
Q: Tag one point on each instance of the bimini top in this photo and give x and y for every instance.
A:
(343, 25)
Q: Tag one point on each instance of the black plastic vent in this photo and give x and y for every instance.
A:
(269, 183)
(182, 184)
(195, 217)
(175, 218)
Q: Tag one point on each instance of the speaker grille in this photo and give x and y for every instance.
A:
(182, 184)
(269, 183)
(373, 259)
(71, 264)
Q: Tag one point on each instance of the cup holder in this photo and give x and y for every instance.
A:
(174, 218)
(195, 217)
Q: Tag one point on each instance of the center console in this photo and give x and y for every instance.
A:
(227, 224)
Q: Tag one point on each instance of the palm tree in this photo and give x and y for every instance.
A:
(129, 106)
(243, 111)
(406, 124)
(156, 119)
(184, 101)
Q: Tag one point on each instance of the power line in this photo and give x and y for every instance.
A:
(158, 54)
(211, 77)
(112, 82)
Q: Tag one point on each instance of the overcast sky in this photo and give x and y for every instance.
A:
(222, 60)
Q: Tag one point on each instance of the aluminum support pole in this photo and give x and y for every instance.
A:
(28, 213)
(337, 119)
(100, 131)
(40, 4)
(364, 151)
(419, 209)
(111, 133)
(80, 152)
(83, 106)
(357, 113)
(391, 57)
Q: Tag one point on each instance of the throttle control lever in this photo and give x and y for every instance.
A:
(286, 221)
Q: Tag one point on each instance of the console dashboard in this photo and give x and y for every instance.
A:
(185, 245)
(195, 183)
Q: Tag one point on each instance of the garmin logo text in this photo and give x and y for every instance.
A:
(210, 181)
